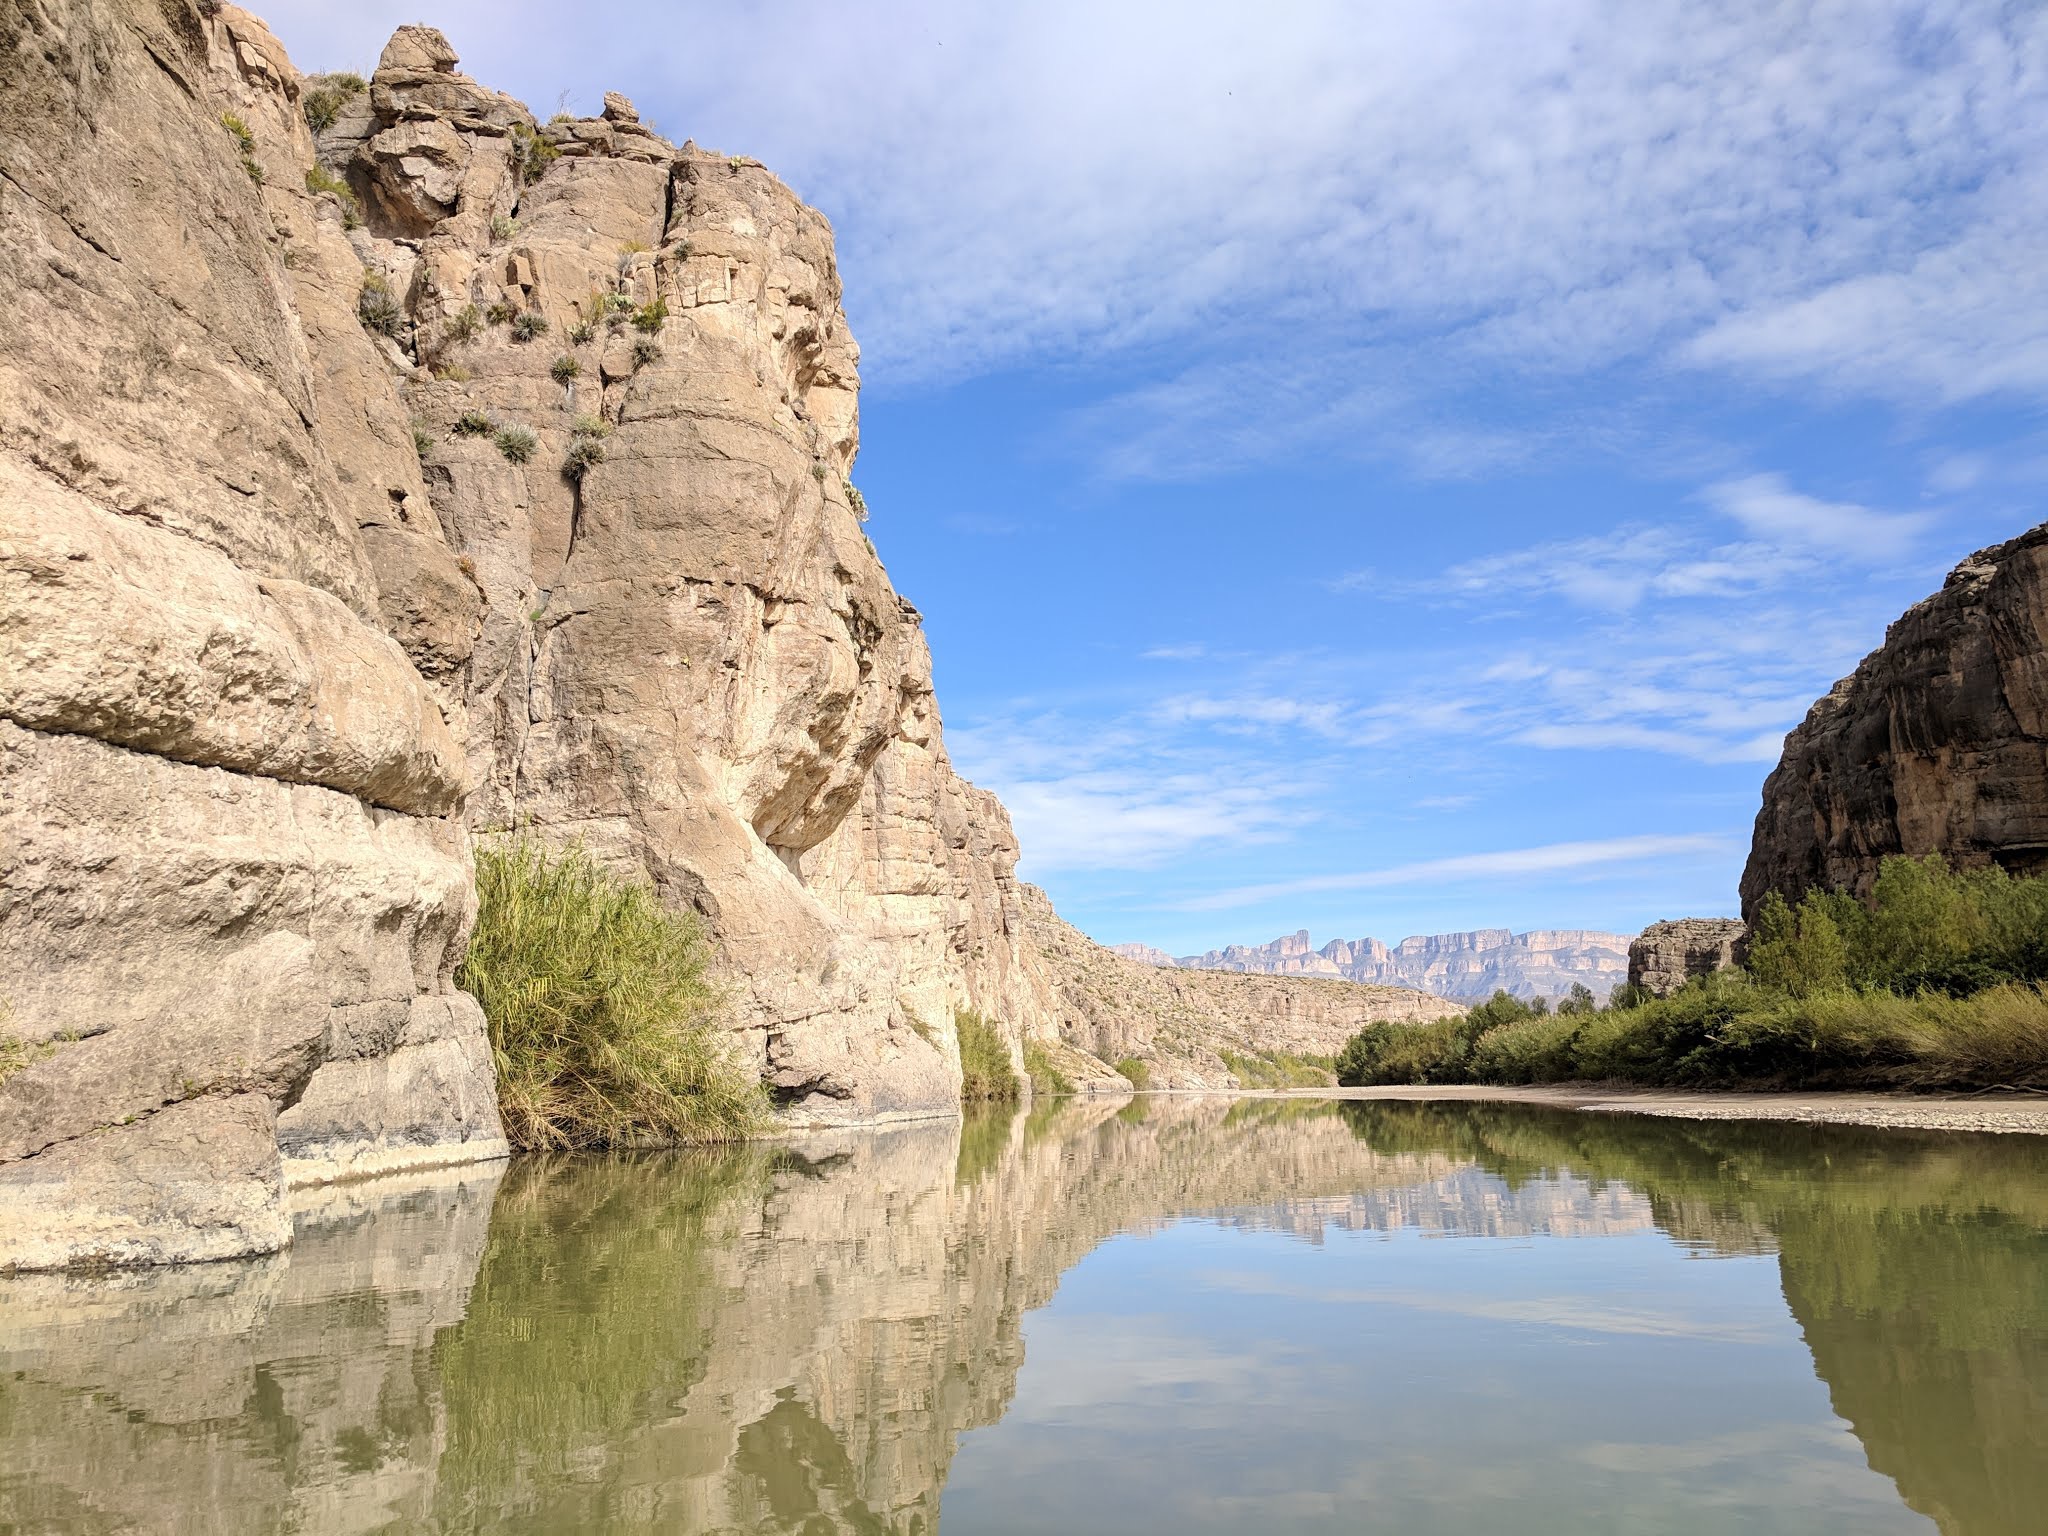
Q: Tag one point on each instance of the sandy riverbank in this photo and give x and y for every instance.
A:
(2020, 1113)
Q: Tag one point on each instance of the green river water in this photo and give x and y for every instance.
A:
(1182, 1315)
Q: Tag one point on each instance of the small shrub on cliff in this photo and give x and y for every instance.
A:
(582, 334)
(646, 350)
(985, 1072)
(239, 131)
(584, 452)
(1134, 1072)
(503, 227)
(378, 307)
(531, 153)
(500, 313)
(329, 94)
(322, 182)
(565, 370)
(517, 443)
(422, 438)
(603, 1020)
(528, 324)
(650, 318)
(856, 501)
(466, 324)
(591, 426)
(1043, 1068)
(475, 423)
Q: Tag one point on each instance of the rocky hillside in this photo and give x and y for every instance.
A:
(1181, 1023)
(1937, 743)
(1545, 963)
(385, 467)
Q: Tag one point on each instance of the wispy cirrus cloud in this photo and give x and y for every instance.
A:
(1502, 864)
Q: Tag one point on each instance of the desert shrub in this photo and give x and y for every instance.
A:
(986, 1075)
(1403, 1053)
(565, 370)
(529, 324)
(322, 103)
(582, 334)
(238, 130)
(378, 307)
(603, 1022)
(422, 438)
(646, 350)
(451, 373)
(466, 324)
(583, 453)
(1532, 1050)
(1043, 1068)
(503, 227)
(1135, 1072)
(591, 426)
(651, 317)
(516, 443)
(500, 313)
(1277, 1069)
(475, 422)
(322, 182)
(531, 153)
(856, 501)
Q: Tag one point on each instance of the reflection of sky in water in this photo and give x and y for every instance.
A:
(1212, 1376)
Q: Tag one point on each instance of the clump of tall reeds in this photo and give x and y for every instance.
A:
(603, 1019)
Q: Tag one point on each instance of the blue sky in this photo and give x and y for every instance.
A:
(1385, 469)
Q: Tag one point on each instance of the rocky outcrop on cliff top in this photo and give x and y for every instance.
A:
(1665, 956)
(1937, 743)
(1544, 963)
(1183, 1023)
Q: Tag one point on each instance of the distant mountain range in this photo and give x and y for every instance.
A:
(1543, 963)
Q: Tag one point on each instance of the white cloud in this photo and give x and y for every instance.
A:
(1772, 510)
(1190, 652)
(1847, 190)
(1551, 858)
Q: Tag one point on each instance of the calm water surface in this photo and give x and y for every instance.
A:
(1182, 1316)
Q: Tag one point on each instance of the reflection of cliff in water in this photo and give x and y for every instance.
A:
(1916, 1264)
(775, 1340)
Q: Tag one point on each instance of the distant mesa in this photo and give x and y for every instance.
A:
(1542, 963)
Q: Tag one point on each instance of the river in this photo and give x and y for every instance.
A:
(1178, 1315)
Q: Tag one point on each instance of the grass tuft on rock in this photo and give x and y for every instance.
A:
(603, 1020)
(986, 1076)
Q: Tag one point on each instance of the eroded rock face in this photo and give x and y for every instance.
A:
(230, 847)
(1543, 963)
(1665, 956)
(1937, 743)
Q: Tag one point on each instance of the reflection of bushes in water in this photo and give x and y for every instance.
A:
(984, 1135)
(587, 1320)
(1249, 1112)
(1913, 1262)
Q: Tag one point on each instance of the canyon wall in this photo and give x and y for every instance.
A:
(234, 875)
(1545, 963)
(1936, 743)
(1665, 956)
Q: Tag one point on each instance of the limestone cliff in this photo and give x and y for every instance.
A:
(234, 876)
(1665, 956)
(1475, 965)
(1937, 743)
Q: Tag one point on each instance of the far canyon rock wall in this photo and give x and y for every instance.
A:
(1937, 743)
(1545, 963)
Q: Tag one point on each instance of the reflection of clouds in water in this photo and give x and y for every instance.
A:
(1578, 1313)
(1467, 1203)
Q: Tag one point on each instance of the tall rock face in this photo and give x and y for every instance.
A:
(1544, 963)
(1665, 956)
(234, 875)
(1937, 743)
(691, 659)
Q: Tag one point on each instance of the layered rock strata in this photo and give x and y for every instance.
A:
(1936, 743)
(1665, 956)
(233, 865)
(1542, 963)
